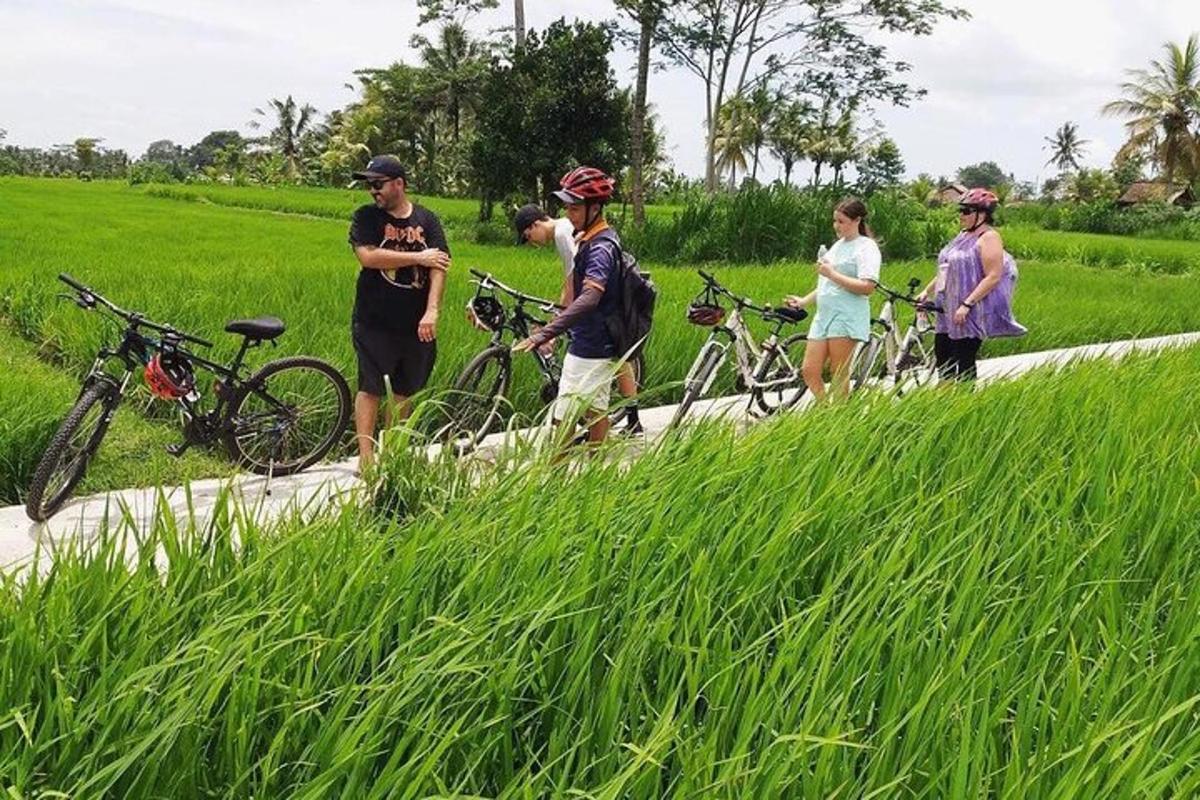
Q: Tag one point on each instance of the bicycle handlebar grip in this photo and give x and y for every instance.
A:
(706, 276)
(74, 284)
(478, 274)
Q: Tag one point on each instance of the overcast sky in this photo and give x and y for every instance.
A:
(133, 71)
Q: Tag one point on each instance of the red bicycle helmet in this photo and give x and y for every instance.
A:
(169, 376)
(979, 199)
(585, 184)
(706, 314)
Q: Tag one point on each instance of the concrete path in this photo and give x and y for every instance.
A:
(312, 491)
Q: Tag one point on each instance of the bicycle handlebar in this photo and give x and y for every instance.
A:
(919, 305)
(91, 297)
(742, 302)
(488, 281)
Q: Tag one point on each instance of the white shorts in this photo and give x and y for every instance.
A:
(585, 382)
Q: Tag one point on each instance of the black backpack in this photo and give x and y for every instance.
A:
(632, 315)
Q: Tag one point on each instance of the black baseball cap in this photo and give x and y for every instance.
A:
(527, 215)
(382, 167)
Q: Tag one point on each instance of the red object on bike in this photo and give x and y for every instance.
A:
(584, 184)
(705, 314)
(169, 376)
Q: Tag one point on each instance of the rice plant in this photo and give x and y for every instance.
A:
(958, 595)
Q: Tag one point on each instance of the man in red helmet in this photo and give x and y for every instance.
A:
(592, 355)
(534, 226)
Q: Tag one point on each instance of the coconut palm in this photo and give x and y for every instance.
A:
(735, 137)
(456, 66)
(291, 122)
(1066, 148)
(790, 134)
(1162, 105)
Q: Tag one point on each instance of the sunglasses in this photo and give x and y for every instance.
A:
(968, 210)
(377, 184)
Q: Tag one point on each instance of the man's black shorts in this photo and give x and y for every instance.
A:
(405, 359)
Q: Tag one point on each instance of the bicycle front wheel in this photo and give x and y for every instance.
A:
(479, 398)
(287, 416)
(71, 448)
(698, 379)
(869, 363)
(779, 384)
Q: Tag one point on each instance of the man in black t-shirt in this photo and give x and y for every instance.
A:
(404, 257)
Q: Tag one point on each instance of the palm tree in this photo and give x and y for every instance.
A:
(456, 66)
(735, 137)
(790, 134)
(1162, 105)
(291, 123)
(1066, 148)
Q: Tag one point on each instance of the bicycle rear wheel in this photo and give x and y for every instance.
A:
(779, 384)
(287, 416)
(71, 449)
(478, 400)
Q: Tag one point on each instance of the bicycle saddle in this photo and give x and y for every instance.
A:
(265, 328)
(789, 314)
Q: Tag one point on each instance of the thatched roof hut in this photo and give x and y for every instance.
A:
(1157, 192)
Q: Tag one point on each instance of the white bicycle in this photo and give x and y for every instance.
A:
(889, 359)
(770, 371)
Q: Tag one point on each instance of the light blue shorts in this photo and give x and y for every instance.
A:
(839, 325)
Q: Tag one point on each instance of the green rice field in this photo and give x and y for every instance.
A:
(199, 256)
(964, 594)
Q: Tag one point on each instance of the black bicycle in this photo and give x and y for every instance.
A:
(479, 400)
(281, 419)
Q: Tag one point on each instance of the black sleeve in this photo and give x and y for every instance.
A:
(364, 228)
(434, 235)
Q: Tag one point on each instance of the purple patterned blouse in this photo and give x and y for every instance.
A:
(960, 269)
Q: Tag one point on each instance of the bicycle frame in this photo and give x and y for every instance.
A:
(901, 354)
(135, 350)
(748, 354)
(520, 323)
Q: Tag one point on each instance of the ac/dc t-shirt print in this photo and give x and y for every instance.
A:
(394, 299)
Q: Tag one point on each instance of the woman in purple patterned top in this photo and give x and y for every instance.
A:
(974, 286)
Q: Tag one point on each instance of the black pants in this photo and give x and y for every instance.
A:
(955, 357)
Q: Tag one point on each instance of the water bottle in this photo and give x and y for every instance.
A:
(821, 251)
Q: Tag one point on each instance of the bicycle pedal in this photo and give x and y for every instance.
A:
(178, 449)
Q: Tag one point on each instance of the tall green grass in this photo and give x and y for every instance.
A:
(765, 224)
(1097, 250)
(959, 595)
(199, 265)
(1151, 220)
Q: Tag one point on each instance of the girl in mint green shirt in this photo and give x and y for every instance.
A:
(848, 273)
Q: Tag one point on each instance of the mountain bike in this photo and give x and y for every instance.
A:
(907, 360)
(771, 372)
(479, 400)
(279, 420)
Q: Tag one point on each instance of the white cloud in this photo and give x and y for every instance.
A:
(132, 71)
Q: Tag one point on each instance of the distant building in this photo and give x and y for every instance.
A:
(947, 195)
(1157, 192)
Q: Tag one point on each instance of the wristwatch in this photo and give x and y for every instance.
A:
(968, 305)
